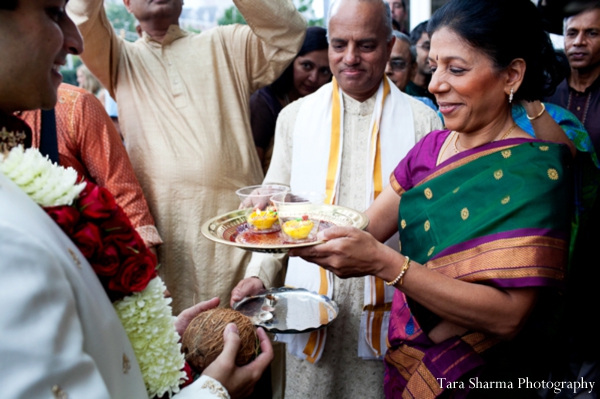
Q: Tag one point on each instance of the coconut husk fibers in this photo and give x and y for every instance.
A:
(203, 341)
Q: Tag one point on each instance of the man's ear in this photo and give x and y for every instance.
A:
(515, 72)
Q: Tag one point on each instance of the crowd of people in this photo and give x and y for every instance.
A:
(469, 146)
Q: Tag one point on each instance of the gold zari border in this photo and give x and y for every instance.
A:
(462, 162)
(395, 185)
(506, 259)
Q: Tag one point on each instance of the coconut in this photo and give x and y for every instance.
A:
(203, 341)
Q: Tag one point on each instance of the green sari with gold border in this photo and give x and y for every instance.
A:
(498, 215)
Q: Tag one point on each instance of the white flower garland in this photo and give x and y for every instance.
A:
(146, 316)
(148, 321)
(45, 183)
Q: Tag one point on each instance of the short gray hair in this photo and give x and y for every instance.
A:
(387, 15)
(411, 48)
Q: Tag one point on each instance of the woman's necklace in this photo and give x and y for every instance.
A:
(445, 145)
(505, 135)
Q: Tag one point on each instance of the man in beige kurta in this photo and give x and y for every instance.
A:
(184, 111)
(340, 373)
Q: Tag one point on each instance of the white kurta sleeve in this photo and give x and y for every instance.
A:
(41, 338)
(203, 388)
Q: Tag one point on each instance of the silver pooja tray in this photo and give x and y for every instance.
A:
(229, 227)
(288, 310)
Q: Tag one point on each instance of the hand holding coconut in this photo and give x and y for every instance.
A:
(185, 317)
(239, 381)
(225, 352)
(221, 343)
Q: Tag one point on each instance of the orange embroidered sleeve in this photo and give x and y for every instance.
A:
(90, 144)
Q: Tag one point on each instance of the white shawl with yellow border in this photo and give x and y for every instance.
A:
(316, 165)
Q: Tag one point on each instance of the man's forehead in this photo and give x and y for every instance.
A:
(362, 22)
(400, 48)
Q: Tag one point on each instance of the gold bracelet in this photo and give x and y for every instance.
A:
(538, 115)
(405, 267)
(404, 272)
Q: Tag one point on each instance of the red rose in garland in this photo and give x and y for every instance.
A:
(65, 216)
(119, 232)
(88, 239)
(135, 273)
(96, 202)
(107, 262)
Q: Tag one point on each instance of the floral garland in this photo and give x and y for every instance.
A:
(89, 215)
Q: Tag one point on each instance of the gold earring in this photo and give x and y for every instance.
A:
(511, 95)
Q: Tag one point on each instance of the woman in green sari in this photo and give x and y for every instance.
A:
(483, 212)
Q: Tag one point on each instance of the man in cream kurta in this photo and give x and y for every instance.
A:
(338, 369)
(184, 111)
(339, 372)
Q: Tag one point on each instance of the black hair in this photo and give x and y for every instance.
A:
(505, 30)
(316, 39)
(9, 4)
(417, 32)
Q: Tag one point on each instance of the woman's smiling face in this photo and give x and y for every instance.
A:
(470, 90)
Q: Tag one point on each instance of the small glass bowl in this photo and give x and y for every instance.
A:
(295, 211)
(261, 214)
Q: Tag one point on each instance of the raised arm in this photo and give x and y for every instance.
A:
(102, 47)
(544, 125)
(277, 33)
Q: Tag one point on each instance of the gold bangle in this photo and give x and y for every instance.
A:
(405, 267)
(404, 272)
(538, 115)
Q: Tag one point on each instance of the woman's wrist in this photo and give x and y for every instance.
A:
(539, 114)
(400, 277)
(391, 263)
(533, 109)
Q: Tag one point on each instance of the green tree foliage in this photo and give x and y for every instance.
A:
(192, 29)
(232, 16)
(120, 18)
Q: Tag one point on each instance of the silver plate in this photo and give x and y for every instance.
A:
(224, 229)
(294, 310)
